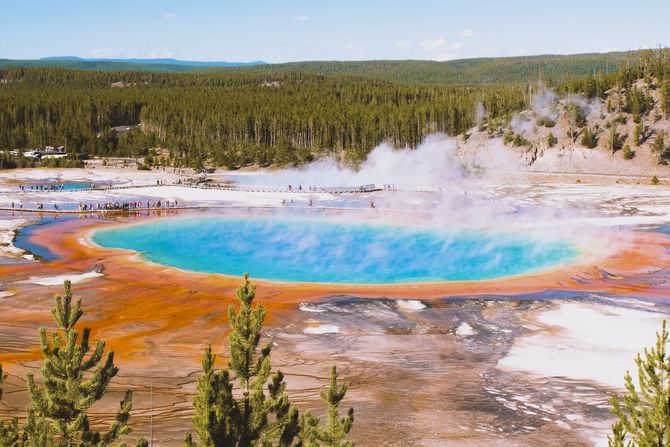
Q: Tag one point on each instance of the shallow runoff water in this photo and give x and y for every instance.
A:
(314, 250)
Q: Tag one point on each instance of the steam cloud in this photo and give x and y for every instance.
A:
(447, 183)
(438, 162)
(478, 184)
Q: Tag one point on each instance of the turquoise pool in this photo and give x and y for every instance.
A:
(311, 250)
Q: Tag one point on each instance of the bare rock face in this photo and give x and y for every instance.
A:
(530, 155)
(526, 139)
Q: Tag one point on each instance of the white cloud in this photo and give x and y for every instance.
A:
(447, 56)
(467, 32)
(486, 52)
(161, 54)
(104, 53)
(355, 51)
(433, 44)
(300, 18)
(440, 44)
(111, 53)
(402, 44)
(609, 50)
(168, 16)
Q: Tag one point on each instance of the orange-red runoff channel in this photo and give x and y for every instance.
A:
(137, 306)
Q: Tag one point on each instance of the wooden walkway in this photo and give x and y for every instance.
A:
(315, 190)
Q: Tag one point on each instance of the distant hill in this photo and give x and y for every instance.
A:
(158, 65)
(157, 61)
(556, 68)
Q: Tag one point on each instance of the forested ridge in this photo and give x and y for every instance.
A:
(255, 115)
(476, 71)
(157, 65)
(558, 68)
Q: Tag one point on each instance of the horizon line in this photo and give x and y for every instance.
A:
(265, 62)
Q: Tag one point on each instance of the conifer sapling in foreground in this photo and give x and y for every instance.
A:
(73, 379)
(262, 414)
(335, 431)
(9, 432)
(643, 415)
(259, 413)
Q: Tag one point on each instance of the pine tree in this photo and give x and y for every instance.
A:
(659, 142)
(588, 139)
(508, 136)
(643, 416)
(576, 115)
(614, 141)
(590, 90)
(627, 152)
(665, 97)
(216, 412)
(335, 431)
(73, 380)
(639, 135)
(520, 141)
(9, 432)
(551, 140)
(618, 438)
(636, 103)
(262, 415)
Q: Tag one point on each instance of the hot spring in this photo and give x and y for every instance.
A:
(312, 250)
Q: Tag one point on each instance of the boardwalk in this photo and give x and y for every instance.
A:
(299, 190)
(134, 206)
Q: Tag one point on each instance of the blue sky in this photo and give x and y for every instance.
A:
(293, 30)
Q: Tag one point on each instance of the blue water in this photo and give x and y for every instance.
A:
(308, 250)
(25, 234)
(59, 186)
(76, 185)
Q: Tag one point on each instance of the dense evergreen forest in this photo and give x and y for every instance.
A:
(232, 119)
(259, 115)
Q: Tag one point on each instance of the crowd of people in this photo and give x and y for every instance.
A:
(134, 205)
(106, 206)
(164, 204)
(38, 206)
(50, 187)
